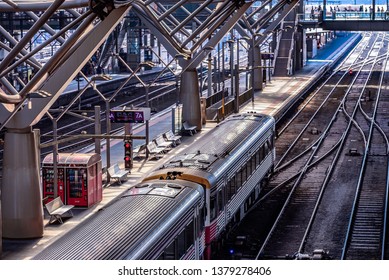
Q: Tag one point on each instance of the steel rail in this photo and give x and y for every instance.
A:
(305, 168)
(361, 176)
(291, 146)
(334, 162)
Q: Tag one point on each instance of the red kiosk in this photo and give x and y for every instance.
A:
(79, 178)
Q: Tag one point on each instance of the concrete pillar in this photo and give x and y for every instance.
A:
(190, 98)
(21, 193)
(258, 75)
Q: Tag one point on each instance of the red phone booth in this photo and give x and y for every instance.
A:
(82, 177)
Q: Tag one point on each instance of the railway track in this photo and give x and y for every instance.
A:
(293, 230)
(366, 234)
(307, 204)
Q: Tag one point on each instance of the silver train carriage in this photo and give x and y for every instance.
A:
(152, 220)
(230, 162)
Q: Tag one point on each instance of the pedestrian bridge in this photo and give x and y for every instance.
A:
(346, 17)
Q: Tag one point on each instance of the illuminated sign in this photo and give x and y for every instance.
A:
(139, 115)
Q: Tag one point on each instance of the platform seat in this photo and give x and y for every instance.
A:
(154, 151)
(57, 210)
(162, 143)
(141, 149)
(186, 128)
(117, 173)
(170, 137)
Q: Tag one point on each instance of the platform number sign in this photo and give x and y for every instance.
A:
(117, 116)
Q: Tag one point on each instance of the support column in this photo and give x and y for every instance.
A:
(304, 47)
(258, 75)
(210, 82)
(190, 97)
(1, 228)
(21, 194)
(299, 49)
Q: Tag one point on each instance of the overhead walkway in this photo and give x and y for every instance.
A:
(347, 20)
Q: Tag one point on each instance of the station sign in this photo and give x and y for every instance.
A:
(124, 115)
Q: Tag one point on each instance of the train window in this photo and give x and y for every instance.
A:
(254, 163)
(200, 221)
(266, 148)
(213, 208)
(231, 188)
(238, 180)
(220, 204)
(244, 174)
(252, 198)
(169, 253)
(271, 143)
(249, 168)
(228, 190)
(181, 246)
(262, 153)
(189, 235)
(258, 157)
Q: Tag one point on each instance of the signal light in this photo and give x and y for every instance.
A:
(127, 154)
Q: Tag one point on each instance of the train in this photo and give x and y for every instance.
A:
(183, 207)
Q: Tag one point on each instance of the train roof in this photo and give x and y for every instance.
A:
(122, 229)
(221, 142)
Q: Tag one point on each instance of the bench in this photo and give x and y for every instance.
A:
(174, 139)
(189, 129)
(162, 143)
(57, 210)
(154, 151)
(117, 173)
(138, 150)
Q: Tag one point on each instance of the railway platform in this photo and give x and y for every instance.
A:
(275, 99)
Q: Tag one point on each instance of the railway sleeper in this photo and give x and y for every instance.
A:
(354, 152)
(363, 235)
(368, 216)
(367, 226)
(364, 246)
(369, 207)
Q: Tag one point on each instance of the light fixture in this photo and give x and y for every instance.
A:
(208, 48)
(182, 56)
(29, 103)
(147, 63)
(101, 77)
(36, 94)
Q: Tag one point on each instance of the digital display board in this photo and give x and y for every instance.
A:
(129, 116)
